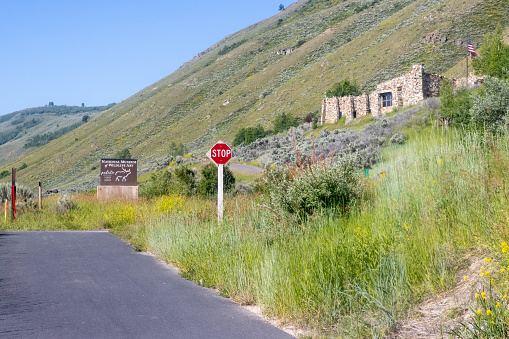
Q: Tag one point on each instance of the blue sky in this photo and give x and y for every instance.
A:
(98, 52)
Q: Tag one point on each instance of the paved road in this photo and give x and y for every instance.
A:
(93, 285)
(246, 169)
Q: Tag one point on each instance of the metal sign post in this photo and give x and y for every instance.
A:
(220, 154)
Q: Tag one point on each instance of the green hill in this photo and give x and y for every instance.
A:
(22, 131)
(282, 64)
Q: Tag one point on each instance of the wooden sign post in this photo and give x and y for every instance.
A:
(40, 196)
(13, 210)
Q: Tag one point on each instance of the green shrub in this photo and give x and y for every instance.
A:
(22, 193)
(493, 58)
(398, 139)
(308, 186)
(176, 150)
(4, 174)
(343, 88)
(228, 48)
(181, 181)
(159, 184)
(208, 183)
(283, 122)
(248, 135)
(123, 154)
(490, 108)
(455, 106)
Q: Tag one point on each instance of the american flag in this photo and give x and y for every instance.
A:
(471, 49)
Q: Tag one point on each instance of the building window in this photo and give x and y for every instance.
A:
(386, 99)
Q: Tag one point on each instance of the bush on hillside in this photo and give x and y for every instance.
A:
(208, 183)
(343, 88)
(490, 108)
(181, 181)
(309, 186)
(23, 194)
(248, 135)
(493, 58)
(455, 106)
(123, 154)
(284, 121)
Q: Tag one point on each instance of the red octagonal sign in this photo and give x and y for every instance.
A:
(220, 153)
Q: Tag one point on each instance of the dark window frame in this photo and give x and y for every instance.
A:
(386, 99)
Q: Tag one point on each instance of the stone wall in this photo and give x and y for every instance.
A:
(408, 89)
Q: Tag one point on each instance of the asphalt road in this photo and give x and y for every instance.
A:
(93, 285)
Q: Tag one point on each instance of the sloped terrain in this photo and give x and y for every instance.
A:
(22, 131)
(282, 64)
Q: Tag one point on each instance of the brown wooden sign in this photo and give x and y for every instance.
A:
(119, 172)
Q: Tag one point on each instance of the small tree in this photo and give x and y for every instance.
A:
(283, 122)
(281, 7)
(85, 119)
(343, 88)
(455, 106)
(493, 58)
(208, 182)
(123, 154)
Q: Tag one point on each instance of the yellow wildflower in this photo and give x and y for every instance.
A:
(440, 160)
(482, 268)
(505, 296)
(498, 305)
(504, 243)
(479, 311)
(487, 273)
(481, 274)
(483, 294)
(477, 295)
(488, 312)
(464, 277)
(502, 270)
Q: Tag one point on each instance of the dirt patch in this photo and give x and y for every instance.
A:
(435, 318)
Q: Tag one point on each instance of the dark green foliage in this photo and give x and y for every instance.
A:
(281, 7)
(208, 183)
(85, 118)
(306, 187)
(493, 58)
(300, 43)
(23, 166)
(123, 154)
(4, 174)
(455, 106)
(8, 136)
(283, 122)
(184, 180)
(344, 88)
(43, 139)
(160, 184)
(248, 135)
(490, 108)
(176, 150)
(228, 48)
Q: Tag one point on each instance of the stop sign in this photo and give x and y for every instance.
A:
(220, 153)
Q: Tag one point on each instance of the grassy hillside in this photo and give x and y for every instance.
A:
(241, 81)
(22, 131)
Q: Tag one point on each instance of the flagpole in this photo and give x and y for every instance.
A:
(466, 58)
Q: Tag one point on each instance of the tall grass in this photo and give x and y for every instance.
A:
(439, 197)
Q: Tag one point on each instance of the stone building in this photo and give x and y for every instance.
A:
(408, 89)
